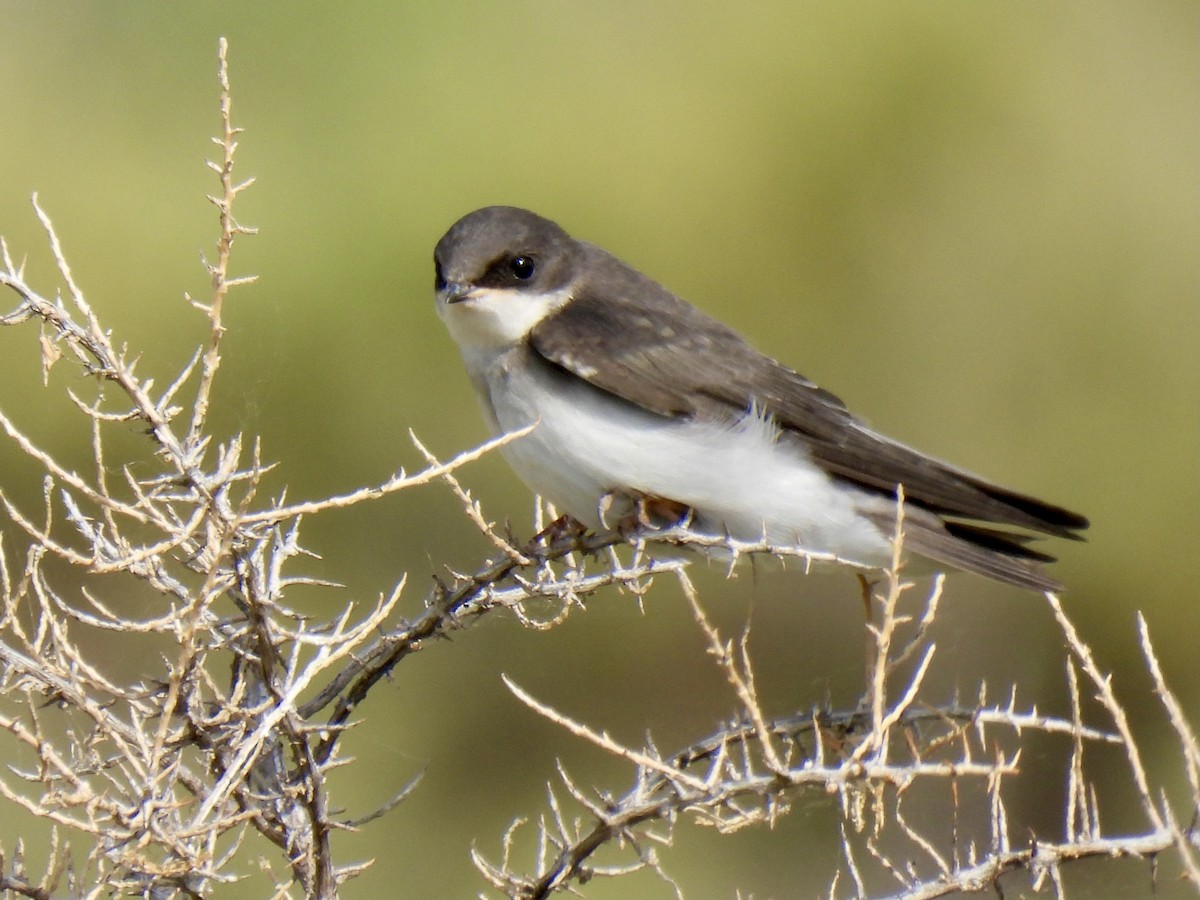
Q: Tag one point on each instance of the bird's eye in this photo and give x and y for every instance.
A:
(439, 280)
(522, 267)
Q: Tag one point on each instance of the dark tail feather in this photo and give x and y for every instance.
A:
(1048, 518)
(1011, 543)
(984, 554)
(985, 551)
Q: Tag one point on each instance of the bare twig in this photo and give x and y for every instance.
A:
(753, 769)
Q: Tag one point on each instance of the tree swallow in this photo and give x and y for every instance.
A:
(644, 408)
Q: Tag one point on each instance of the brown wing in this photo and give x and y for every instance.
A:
(633, 338)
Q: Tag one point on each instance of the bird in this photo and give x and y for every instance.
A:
(645, 411)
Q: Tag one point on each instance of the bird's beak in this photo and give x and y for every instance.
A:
(456, 292)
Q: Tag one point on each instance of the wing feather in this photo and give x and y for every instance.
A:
(640, 342)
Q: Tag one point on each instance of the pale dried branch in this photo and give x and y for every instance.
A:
(399, 482)
(219, 270)
(754, 769)
(739, 673)
(157, 772)
(1188, 742)
(1107, 697)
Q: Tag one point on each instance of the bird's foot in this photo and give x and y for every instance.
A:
(643, 512)
(563, 528)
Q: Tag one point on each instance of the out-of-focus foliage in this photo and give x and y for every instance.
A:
(978, 223)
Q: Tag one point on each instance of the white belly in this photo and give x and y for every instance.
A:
(739, 477)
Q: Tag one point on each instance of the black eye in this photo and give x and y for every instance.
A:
(522, 267)
(439, 280)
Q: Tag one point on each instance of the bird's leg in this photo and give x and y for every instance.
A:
(563, 527)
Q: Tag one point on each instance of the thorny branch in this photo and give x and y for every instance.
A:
(880, 760)
(223, 738)
(184, 763)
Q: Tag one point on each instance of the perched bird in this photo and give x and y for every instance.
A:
(648, 410)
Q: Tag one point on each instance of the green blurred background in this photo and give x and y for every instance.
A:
(976, 222)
